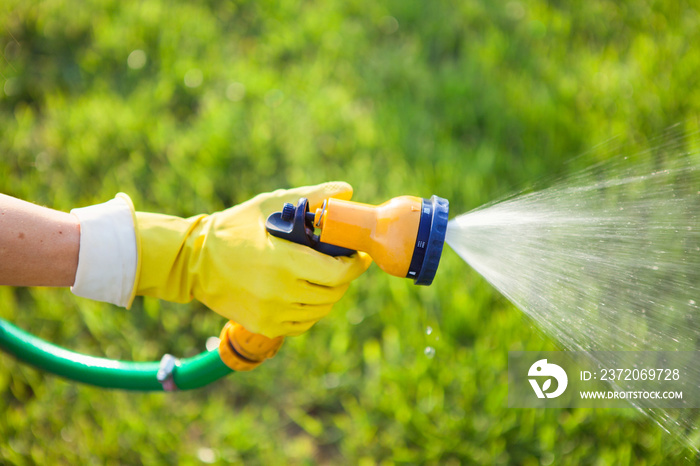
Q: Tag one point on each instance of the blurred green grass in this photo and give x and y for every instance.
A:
(469, 100)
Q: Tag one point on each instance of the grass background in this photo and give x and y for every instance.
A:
(469, 100)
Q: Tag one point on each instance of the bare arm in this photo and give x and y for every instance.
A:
(38, 246)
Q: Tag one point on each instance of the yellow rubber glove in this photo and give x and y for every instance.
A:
(231, 264)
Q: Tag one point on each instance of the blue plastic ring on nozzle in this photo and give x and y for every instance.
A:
(430, 240)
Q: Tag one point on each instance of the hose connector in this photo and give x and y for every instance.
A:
(242, 350)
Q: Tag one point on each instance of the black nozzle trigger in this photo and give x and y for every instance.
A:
(296, 225)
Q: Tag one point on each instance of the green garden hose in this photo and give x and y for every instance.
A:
(168, 374)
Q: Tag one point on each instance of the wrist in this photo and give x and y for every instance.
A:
(108, 255)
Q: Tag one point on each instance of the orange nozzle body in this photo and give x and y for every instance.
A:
(389, 232)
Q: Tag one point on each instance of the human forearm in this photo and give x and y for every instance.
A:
(38, 246)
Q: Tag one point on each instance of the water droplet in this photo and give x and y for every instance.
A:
(355, 316)
(235, 92)
(137, 59)
(429, 351)
(194, 78)
(428, 330)
(331, 380)
(12, 86)
(389, 25)
(207, 455)
(67, 434)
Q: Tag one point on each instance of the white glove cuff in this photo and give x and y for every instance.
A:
(108, 252)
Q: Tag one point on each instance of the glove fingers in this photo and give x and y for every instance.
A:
(294, 329)
(315, 267)
(298, 312)
(298, 319)
(330, 271)
(307, 293)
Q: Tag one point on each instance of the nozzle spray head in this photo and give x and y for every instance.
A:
(431, 234)
(404, 236)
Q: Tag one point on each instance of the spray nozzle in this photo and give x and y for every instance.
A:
(404, 235)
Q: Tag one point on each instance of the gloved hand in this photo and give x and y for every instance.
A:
(228, 262)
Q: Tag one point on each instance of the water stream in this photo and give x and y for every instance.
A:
(605, 259)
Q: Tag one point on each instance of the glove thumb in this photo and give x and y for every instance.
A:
(315, 194)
